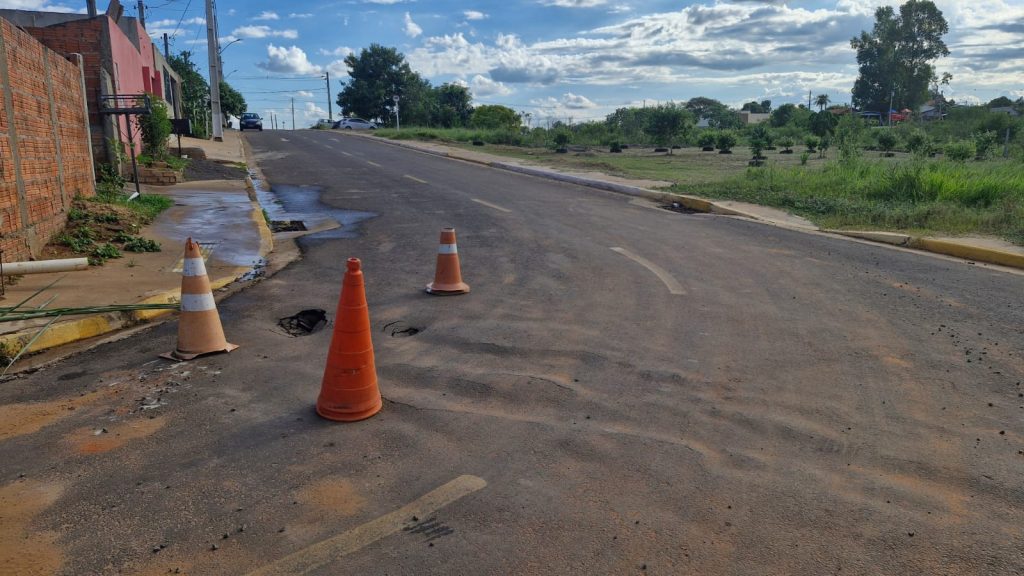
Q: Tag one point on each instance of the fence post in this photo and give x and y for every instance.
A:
(59, 155)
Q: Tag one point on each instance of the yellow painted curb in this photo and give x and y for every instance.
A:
(990, 255)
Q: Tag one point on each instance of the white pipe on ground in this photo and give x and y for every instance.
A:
(44, 266)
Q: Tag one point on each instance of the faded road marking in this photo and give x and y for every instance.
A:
(373, 164)
(673, 285)
(345, 153)
(285, 140)
(323, 553)
(415, 179)
(489, 205)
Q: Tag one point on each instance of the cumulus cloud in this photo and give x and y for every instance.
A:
(482, 87)
(39, 5)
(302, 15)
(474, 15)
(290, 60)
(262, 32)
(303, 94)
(412, 29)
(339, 51)
(171, 22)
(338, 68)
(267, 15)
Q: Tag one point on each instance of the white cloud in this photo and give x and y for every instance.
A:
(291, 60)
(309, 114)
(263, 32)
(267, 15)
(338, 69)
(483, 87)
(232, 12)
(412, 29)
(302, 15)
(474, 15)
(303, 94)
(39, 5)
(339, 51)
(171, 22)
(574, 3)
(576, 101)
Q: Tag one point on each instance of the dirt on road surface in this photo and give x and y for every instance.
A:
(626, 390)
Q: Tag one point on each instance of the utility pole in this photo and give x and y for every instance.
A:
(330, 113)
(213, 49)
(808, 99)
(892, 95)
(293, 113)
(142, 14)
(167, 49)
(398, 121)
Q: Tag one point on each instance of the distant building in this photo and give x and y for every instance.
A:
(119, 59)
(1006, 110)
(752, 118)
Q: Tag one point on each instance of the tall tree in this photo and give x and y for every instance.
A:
(232, 103)
(717, 114)
(495, 116)
(195, 92)
(666, 123)
(377, 74)
(453, 107)
(821, 101)
(895, 58)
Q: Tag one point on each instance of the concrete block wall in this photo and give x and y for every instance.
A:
(45, 157)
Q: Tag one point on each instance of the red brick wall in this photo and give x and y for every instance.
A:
(45, 164)
(83, 37)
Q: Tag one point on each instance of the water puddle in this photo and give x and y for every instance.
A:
(302, 203)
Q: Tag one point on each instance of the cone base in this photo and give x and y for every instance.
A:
(346, 416)
(179, 356)
(447, 289)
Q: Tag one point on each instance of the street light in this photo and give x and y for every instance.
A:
(225, 47)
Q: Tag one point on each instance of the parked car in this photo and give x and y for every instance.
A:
(355, 124)
(250, 120)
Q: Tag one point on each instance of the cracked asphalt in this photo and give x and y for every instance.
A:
(626, 390)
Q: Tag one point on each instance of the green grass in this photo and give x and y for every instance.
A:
(917, 196)
(146, 206)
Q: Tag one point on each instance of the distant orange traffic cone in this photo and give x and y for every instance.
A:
(349, 389)
(448, 276)
(199, 329)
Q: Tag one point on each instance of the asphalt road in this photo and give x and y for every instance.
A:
(626, 390)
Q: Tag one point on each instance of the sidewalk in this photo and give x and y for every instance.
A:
(980, 249)
(218, 214)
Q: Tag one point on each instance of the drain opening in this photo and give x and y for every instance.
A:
(287, 226)
(677, 207)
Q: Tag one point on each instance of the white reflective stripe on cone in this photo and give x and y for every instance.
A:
(193, 267)
(197, 302)
(447, 249)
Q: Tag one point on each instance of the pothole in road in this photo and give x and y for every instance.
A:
(304, 322)
(677, 207)
(400, 329)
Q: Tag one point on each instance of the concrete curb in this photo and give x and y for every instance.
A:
(85, 327)
(945, 247)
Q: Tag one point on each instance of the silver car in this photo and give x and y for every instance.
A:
(355, 124)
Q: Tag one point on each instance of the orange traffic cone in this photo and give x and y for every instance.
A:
(349, 389)
(199, 329)
(448, 276)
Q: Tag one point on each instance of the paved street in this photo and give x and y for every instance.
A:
(625, 390)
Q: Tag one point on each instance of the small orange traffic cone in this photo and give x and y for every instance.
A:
(448, 276)
(199, 328)
(349, 390)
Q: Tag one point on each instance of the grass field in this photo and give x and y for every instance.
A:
(901, 193)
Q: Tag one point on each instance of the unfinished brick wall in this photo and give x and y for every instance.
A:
(45, 158)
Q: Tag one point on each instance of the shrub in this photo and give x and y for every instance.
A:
(725, 141)
(139, 244)
(561, 139)
(156, 127)
(886, 140)
(917, 142)
(706, 139)
(960, 151)
(787, 143)
(983, 143)
(812, 143)
(804, 157)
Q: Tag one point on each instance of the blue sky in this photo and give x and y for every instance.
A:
(578, 59)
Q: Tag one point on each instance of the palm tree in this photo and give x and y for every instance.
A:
(821, 101)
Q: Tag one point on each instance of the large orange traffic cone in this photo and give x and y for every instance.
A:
(349, 389)
(448, 275)
(199, 329)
